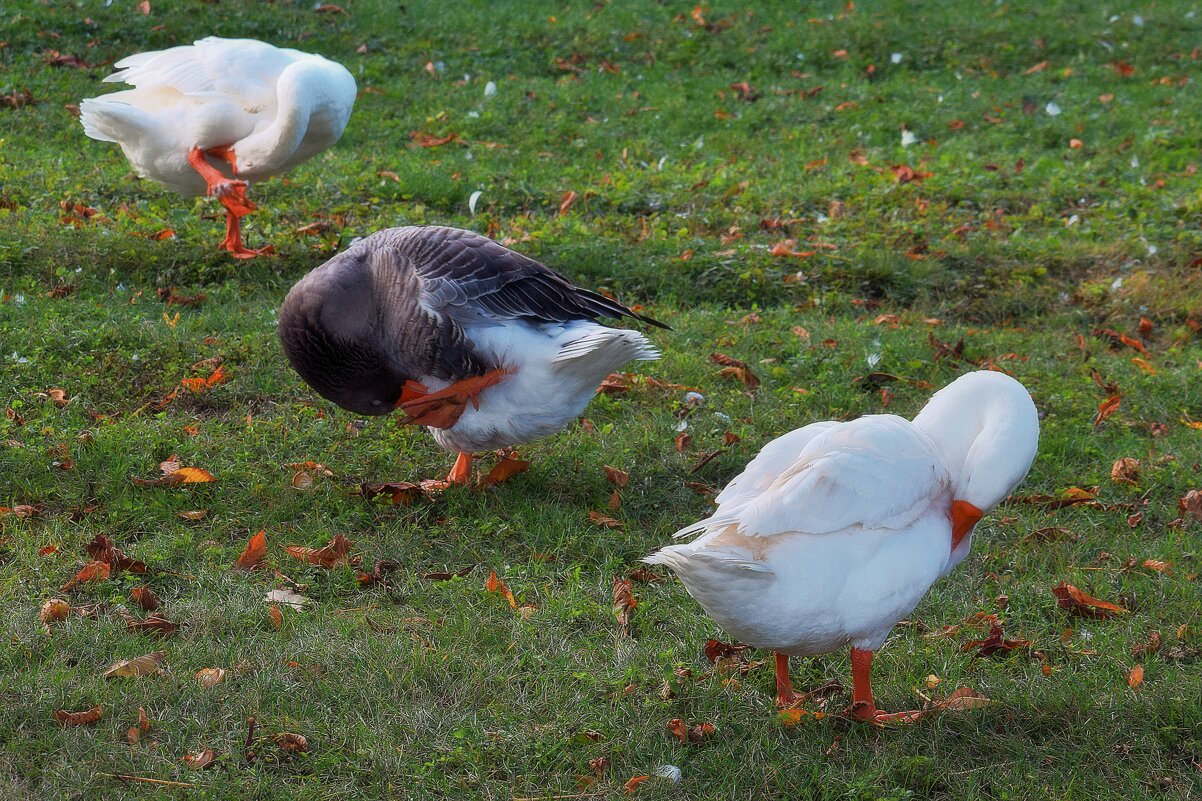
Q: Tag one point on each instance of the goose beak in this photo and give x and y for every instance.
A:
(964, 516)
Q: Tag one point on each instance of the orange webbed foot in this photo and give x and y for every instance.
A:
(442, 409)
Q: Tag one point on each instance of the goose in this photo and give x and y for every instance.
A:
(836, 530)
(485, 347)
(206, 118)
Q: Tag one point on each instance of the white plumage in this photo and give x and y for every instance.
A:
(835, 531)
(252, 110)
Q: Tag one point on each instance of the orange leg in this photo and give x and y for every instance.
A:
(785, 697)
(231, 195)
(442, 409)
(461, 473)
(233, 239)
(863, 706)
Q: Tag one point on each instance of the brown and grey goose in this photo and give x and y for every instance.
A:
(486, 347)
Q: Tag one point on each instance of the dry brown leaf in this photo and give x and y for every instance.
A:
(292, 743)
(92, 571)
(85, 718)
(58, 397)
(194, 515)
(624, 604)
(689, 734)
(715, 650)
(53, 611)
(994, 643)
(604, 521)
(1150, 646)
(174, 475)
(101, 549)
(735, 368)
(494, 584)
(400, 493)
(1125, 470)
(1191, 504)
(154, 624)
(255, 551)
(619, 478)
(328, 555)
(1135, 677)
(632, 784)
(139, 666)
(960, 699)
(145, 598)
(1078, 603)
(1158, 565)
(1107, 408)
(211, 677)
(200, 759)
(423, 139)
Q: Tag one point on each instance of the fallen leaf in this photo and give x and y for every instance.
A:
(1125, 470)
(689, 734)
(194, 516)
(400, 493)
(604, 521)
(174, 475)
(139, 666)
(1149, 647)
(200, 759)
(619, 478)
(101, 549)
(54, 610)
(960, 699)
(58, 397)
(423, 139)
(293, 743)
(791, 717)
(1106, 408)
(1158, 565)
(210, 677)
(624, 604)
(277, 617)
(565, 202)
(1078, 603)
(1191, 504)
(507, 468)
(92, 571)
(994, 643)
(1135, 677)
(632, 784)
(715, 650)
(85, 718)
(326, 556)
(494, 584)
(154, 624)
(255, 551)
(735, 368)
(286, 597)
(906, 174)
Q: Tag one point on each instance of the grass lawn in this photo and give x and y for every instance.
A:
(740, 171)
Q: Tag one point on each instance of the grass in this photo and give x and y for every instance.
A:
(430, 689)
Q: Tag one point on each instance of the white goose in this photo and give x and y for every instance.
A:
(835, 531)
(484, 346)
(203, 119)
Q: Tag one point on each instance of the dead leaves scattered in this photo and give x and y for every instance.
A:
(53, 611)
(1125, 471)
(199, 760)
(199, 386)
(624, 604)
(494, 584)
(145, 598)
(305, 472)
(174, 475)
(92, 571)
(604, 521)
(255, 551)
(735, 368)
(291, 743)
(154, 624)
(86, 718)
(146, 665)
(994, 644)
(508, 467)
(1079, 603)
(327, 556)
(101, 549)
(211, 677)
(685, 733)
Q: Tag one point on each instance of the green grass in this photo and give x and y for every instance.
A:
(438, 689)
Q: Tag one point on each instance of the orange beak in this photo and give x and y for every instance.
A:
(964, 516)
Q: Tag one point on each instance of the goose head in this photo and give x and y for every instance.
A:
(331, 330)
(987, 429)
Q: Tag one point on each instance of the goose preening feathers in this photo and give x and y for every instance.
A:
(835, 531)
(486, 347)
(206, 118)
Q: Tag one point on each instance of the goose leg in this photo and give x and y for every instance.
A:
(231, 195)
(461, 473)
(863, 706)
(785, 697)
(443, 408)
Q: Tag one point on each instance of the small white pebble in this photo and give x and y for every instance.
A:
(490, 89)
(896, 58)
(1052, 109)
(908, 138)
(1138, 20)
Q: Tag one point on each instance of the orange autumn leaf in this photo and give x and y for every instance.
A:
(328, 555)
(619, 478)
(1135, 677)
(277, 617)
(507, 468)
(604, 521)
(785, 249)
(1079, 603)
(624, 604)
(85, 718)
(423, 139)
(1158, 565)
(255, 551)
(1125, 470)
(1107, 408)
(199, 385)
(565, 202)
(92, 571)
(689, 734)
(494, 584)
(632, 784)
(145, 598)
(1143, 365)
(906, 174)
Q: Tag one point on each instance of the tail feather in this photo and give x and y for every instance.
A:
(608, 347)
(107, 120)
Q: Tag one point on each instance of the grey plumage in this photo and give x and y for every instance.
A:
(394, 307)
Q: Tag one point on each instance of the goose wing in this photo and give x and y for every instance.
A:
(468, 276)
(245, 68)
